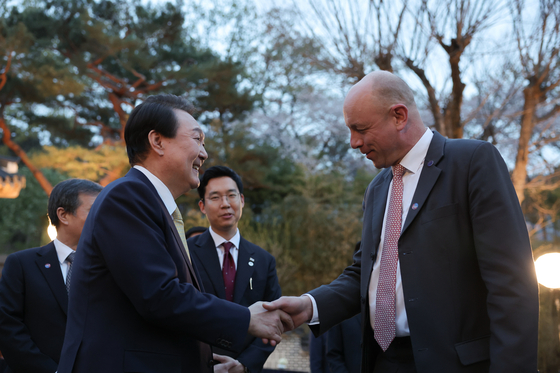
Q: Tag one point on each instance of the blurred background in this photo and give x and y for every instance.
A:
(268, 79)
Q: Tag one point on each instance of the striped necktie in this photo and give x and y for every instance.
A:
(70, 260)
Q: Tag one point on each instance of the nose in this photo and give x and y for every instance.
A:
(202, 154)
(355, 140)
(225, 202)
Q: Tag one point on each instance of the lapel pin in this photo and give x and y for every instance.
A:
(48, 265)
(251, 283)
(415, 206)
(251, 264)
(251, 259)
(430, 163)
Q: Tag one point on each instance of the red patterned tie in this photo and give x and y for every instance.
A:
(384, 325)
(228, 271)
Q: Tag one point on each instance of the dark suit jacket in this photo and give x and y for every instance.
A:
(468, 276)
(135, 303)
(344, 346)
(33, 304)
(318, 354)
(264, 280)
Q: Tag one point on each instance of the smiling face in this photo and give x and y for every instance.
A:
(373, 130)
(183, 155)
(223, 206)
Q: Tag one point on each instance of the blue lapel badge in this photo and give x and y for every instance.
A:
(48, 265)
(415, 206)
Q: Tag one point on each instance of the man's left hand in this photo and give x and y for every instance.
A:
(227, 365)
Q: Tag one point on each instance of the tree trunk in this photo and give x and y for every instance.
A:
(519, 176)
(434, 104)
(7, 139)
(452, 117)
(123, 117)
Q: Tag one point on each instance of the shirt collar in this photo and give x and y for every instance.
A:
(414, 159)
(62, 251)
(162, 190)
(218, 240)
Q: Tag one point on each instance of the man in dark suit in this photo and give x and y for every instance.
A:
(344, 343)
(135, 303)
(33, 290)
(445, 279)
(344, 346)
(254, 269)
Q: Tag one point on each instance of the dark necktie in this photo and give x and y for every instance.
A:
(385, 314)
(69, 259)
(228, 271)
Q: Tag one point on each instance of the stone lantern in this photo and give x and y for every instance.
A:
(10, 181)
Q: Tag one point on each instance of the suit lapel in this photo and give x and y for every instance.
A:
(244, 270)
(379, 196)
(181, 247)
(47, 261)
(205, 249)
(428, 178)
(140, 176)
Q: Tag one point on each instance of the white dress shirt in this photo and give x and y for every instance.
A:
(162, 190)
(62, 251)
(234, 250)
(413, 161)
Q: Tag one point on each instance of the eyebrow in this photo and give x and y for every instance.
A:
(196, 129)
(228, 191)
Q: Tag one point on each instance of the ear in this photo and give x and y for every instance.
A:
(400, 114)
(202, 207)
(156, 142)
(242, 201)
(62, 215)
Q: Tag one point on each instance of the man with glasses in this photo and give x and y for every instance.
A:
(231, 267)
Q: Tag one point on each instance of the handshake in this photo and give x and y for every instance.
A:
(270, 319)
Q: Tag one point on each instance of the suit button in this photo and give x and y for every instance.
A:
(372, 255)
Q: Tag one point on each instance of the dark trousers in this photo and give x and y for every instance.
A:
(397, 359)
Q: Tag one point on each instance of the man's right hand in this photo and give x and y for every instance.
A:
(299, 308)
(269, 325)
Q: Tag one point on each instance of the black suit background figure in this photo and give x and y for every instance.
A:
(33, 297)
(318, 354)
(344, 343)
(222, 200)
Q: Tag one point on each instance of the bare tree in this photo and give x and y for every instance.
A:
(453, 26)
(539, 54)
(354, 35)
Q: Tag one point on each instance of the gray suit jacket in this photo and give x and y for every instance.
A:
(468, 276)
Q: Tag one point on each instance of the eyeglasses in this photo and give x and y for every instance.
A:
(229, 197)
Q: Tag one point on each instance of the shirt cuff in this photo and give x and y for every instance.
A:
(315, 317)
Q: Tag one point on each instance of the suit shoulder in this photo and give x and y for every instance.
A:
(258, 250)
(26, 254)
(467, 145)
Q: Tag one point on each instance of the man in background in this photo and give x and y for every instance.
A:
(231, 267)
(194, 231)
(344, 343)
(35, 282)
(136, 304)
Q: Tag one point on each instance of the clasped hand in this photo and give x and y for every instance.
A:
(270, 319)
